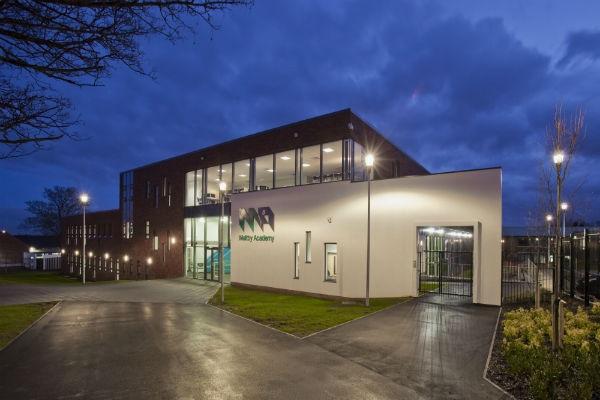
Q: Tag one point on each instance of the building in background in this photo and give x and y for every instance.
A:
(295, 217)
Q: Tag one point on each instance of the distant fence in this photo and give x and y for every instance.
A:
(522, 267)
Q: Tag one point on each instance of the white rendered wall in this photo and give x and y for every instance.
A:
(337, 212)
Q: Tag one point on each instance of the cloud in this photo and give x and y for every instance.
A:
(581, 45)
(455, 93)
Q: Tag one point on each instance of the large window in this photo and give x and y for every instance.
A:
(212, 185)
(241, 180)
(285, 168)
(199, 187)
(332, 161)
(311, 165)
(226, 170)
(359, 163)
(331, 267)
(263, 172)
(190, 194)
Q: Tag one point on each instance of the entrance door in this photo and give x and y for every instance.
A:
(445, 259)
(211, 271)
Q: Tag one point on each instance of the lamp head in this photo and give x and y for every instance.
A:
(84, 198)
(549, 217)
(558, 157)
(564, 206)
(369, 160)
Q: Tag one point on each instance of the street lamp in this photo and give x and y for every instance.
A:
(84, 199)
(558, 157)
(564, 206)
(369, 162)
(222, 189)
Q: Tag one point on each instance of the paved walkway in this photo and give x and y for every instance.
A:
(181, 291)
(438, 350)
(173, 351)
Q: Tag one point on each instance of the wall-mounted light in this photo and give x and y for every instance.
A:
(106, 255)
(62, 251)
(173, 240)
(32, 249)
(125, 258)
(90, 254)
(149, 260)
(369, 160)
(76, 252)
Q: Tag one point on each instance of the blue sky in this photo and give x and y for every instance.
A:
(456, 84)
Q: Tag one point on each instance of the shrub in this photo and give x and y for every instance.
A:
(566, 374)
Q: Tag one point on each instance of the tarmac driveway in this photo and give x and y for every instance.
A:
(181, 291)
(438, 350)
(146, 351)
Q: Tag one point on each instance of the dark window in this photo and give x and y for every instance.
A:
(156, 194)
(148, 189)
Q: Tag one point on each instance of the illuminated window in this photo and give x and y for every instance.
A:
(307, 248)
(296, 260)
(331, 267)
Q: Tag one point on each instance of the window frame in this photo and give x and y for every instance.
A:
(308, 247)
(296, 260)
(334, 279)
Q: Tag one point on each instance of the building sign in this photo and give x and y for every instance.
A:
(254, 218)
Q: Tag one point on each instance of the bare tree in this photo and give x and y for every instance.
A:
(46, 215)
(76, 42)
(562, 141)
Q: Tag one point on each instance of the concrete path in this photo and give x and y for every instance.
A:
(438, 350)
(171, 351)
(181, 291)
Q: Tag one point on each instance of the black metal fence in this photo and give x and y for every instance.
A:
(446, 272)
(523, 266)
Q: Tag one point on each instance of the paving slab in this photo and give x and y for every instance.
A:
(437, 348)
(111, 350)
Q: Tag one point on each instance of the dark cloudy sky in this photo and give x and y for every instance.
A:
(457, 84)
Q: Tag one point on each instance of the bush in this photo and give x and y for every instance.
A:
(566, 374)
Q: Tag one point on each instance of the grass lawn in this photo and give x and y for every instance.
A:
(295, 314)
(428, 286)
(40, 278)
(15, 318)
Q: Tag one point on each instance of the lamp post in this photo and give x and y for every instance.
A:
(84, 199)
(558, 158)
(369, 161)
(564, 206)
(222, 188)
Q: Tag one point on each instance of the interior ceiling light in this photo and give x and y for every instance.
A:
(242, 175)
(285, 158)
(327, 149)
(305, 164)
(269, 170)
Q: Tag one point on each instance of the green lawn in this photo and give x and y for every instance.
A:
(14, 319)
(41, 278)
(295, 314)
(428, 286)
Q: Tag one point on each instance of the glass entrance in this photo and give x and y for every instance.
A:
(211, 272)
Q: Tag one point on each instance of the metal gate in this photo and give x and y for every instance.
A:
(446, 272)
